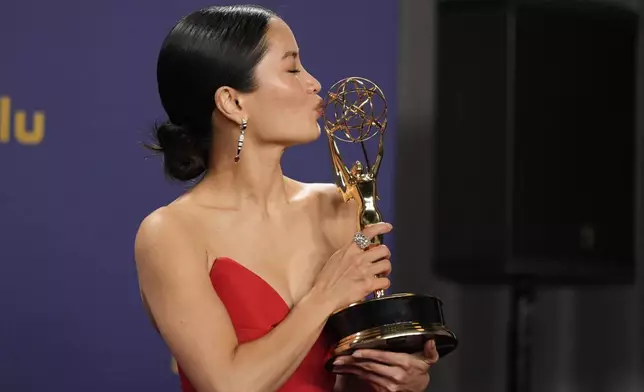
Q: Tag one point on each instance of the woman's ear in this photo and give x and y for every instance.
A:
(229, 103)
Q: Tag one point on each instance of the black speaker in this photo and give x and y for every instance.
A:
(534, 149)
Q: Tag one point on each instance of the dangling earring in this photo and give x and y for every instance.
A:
(240, 141)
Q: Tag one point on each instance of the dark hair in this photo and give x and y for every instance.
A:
(207, 49)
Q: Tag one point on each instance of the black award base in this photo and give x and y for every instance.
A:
(397, 322)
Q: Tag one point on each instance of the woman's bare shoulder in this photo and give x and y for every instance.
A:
(166, 227)
(326, 196)
(159, 224)
(337, 216)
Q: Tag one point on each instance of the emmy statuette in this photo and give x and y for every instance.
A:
(355, 111)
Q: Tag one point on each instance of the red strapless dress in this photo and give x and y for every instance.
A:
(255, 308)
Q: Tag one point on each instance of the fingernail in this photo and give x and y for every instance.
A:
(433, 344)
(357, 354)
(338, 361)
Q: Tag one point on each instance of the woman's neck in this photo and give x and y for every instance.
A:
(255, 182)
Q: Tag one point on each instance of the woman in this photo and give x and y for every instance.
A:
(240, 273)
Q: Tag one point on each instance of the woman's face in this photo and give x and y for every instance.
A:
(286, 106)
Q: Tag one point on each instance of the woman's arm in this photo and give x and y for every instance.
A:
(194, 323)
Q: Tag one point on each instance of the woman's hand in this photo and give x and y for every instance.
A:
(389, 371)
(352, 273)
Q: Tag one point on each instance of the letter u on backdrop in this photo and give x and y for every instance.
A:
(22, 134)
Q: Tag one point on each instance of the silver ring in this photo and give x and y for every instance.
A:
(361, 240)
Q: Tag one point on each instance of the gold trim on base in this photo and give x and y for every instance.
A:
(377, 337)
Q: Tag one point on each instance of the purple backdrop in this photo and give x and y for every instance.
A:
(70, 202)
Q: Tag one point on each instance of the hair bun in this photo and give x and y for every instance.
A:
(183, 159)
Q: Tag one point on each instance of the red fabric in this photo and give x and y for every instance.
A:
(255, 308)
